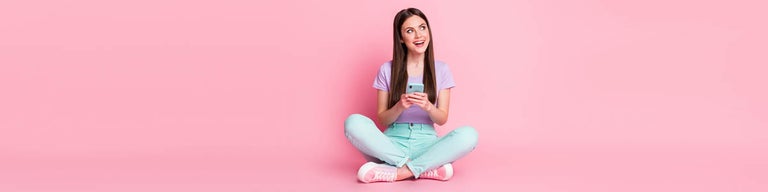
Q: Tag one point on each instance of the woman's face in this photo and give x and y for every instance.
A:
(415, 33)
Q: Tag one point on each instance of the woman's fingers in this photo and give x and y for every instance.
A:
(416, 98)
(420, 102)
(417, 95)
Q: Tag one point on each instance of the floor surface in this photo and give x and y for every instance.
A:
(532, 168)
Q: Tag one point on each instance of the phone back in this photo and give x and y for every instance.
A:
(414, 87)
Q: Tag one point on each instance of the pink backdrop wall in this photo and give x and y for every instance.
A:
(270, 82)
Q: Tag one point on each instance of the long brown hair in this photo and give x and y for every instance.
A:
(399, 79)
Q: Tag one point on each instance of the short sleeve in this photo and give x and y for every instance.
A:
(445, 77)
(382, 77)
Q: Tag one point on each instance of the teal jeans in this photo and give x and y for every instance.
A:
(415, 145)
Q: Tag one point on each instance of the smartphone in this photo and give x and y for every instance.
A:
(414, 87)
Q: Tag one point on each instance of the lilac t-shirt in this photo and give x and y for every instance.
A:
(414, 114)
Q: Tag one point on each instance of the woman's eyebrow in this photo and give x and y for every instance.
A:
(422, 24)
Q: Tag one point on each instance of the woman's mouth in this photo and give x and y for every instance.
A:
(418, 43)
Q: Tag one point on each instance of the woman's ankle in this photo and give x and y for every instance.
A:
(404, 173)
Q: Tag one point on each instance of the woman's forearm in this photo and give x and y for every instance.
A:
(438, 116)
(389, 116)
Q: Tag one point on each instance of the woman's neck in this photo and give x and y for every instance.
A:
(415, 60)
(415, 65)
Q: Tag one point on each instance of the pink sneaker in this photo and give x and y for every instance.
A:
(442, 173)
(373, 172)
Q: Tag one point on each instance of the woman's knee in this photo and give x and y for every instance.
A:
(356, 122)
(466, 134)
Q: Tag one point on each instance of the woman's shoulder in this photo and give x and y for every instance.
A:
(441, 66)
(387, 64)
(386, 67)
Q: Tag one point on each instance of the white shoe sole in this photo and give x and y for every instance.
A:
(364, 169)
(448, 171)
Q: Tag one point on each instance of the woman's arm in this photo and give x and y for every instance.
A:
(439, 115)
(388, 116)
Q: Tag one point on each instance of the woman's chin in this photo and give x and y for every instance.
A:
(418, 51)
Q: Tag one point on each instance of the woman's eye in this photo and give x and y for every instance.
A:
(409, 31)
(422, 28)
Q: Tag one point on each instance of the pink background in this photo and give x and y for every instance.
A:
(231, 95)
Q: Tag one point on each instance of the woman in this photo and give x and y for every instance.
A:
(410, 148)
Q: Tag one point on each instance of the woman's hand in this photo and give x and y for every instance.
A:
(404, 102)
(419, 99)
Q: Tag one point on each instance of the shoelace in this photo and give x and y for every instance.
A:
(383, 175)
(430, 174)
